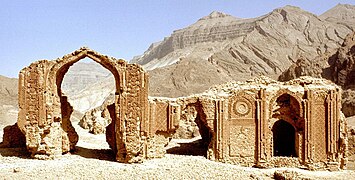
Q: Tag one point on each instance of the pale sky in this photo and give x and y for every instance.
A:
(43, 29)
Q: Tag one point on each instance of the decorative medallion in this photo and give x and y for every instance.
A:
(241, 107)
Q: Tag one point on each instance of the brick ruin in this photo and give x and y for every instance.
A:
(44, 111)
(266, 123)
(262, 123)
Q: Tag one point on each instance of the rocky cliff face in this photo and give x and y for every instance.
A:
(216, 27)
(242, 48)
(81, 75)
(343, 72)
(302, 67)
(338, 66)
(344, 66)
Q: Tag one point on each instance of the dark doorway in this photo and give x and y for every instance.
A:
(284, 139)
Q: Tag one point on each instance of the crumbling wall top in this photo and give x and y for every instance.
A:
(296, 85)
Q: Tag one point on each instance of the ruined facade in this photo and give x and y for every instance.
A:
(261, 123)
(266, 123)
(44, 111)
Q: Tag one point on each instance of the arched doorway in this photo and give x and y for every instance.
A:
(87, 88)
(71, 136)
(48, 128)
(284, 139)
(196, 144)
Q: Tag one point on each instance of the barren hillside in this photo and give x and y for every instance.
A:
(239, 49)
(8, 100)
(338, 66)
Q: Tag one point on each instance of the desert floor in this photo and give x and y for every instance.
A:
(93, 160)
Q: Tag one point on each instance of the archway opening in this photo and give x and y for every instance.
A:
(193, 136)
(86, 89)
(287, 127)
(284, 139)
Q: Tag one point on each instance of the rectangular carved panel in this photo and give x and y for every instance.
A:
(161, 116)
(319, 132)
(242, 141)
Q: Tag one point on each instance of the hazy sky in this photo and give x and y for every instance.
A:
(42, 29)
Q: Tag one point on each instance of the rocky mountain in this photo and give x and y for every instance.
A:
(82, 75)
(87, 85)
(341, 13)
(239, 49)
(338, 67)
(8, 91)
(8, 100)
(92, 95)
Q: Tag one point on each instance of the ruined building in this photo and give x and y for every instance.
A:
(261, 123)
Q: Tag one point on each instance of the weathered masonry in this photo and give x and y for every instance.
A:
(262, 122)
(44, 115)
(266, 123)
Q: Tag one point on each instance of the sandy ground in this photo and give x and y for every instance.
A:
(93, 160)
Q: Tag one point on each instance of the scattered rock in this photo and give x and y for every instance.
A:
(96, 120)
(286, 175)
(16, 170)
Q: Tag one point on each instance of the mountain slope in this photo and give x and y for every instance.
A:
(338, 67)
(243, 48)
(8, 101)
(8, 91)
(341, 13)
(82, 75)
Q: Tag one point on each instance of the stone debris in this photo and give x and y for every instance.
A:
(286, 175)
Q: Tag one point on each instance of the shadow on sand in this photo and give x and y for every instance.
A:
(15, 152)
(101, 154)
(194, 148)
